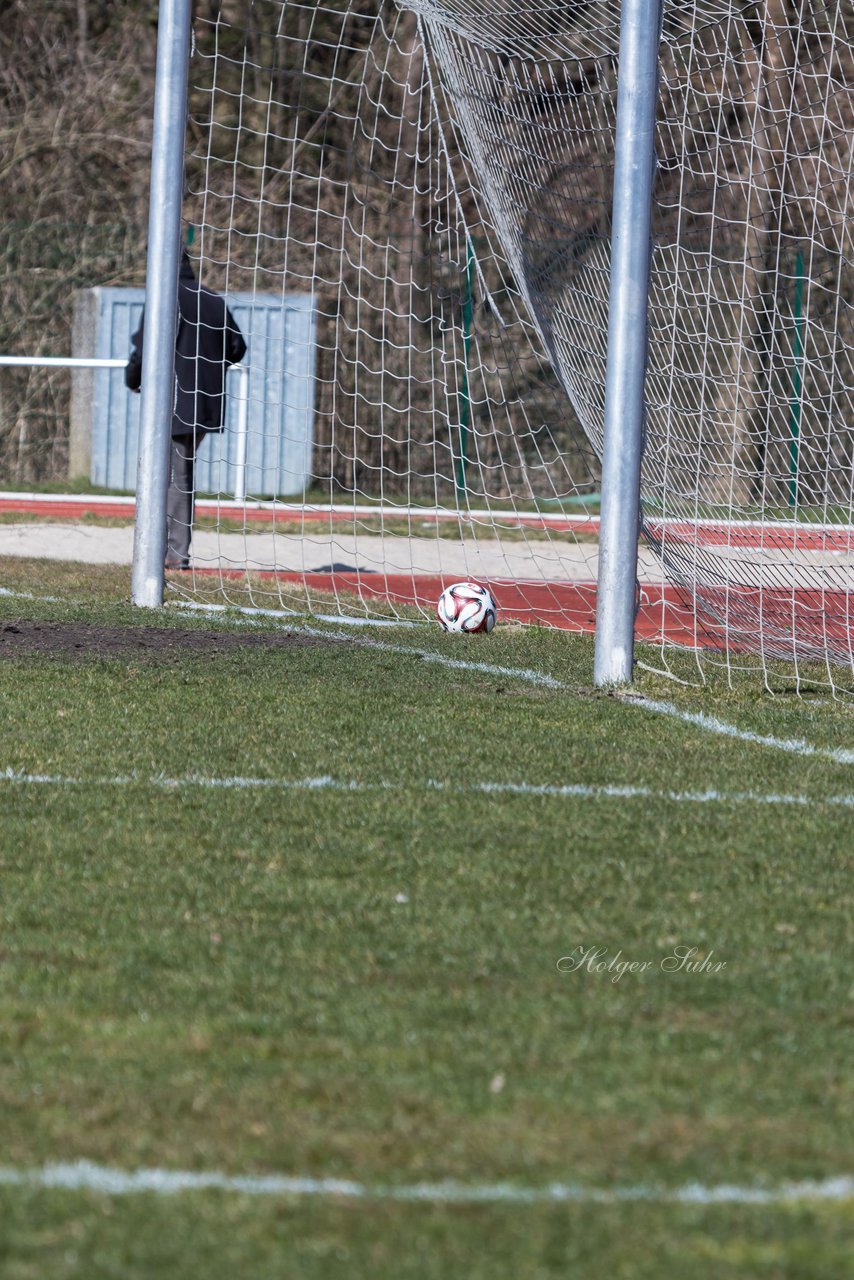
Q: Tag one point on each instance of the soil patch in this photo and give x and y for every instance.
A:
(163, 644)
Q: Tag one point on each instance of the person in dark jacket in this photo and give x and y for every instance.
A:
(207, 341)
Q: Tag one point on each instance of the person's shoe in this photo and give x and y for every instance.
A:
(176, 562)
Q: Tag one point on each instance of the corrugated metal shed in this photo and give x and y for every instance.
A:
(281, 368)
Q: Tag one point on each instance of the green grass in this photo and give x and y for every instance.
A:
(575, 503)
(64, 484)
(337, 983)
(446, 529)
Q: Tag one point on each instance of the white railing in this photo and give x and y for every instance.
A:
(241, 395)
(63, 362)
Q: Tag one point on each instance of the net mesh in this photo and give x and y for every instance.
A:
(436, 182)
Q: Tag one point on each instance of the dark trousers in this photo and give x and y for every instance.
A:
(179, 500)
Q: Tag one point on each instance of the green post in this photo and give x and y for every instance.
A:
(797, 383)
(465, 397)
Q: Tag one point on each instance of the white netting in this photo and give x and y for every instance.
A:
(438, 181)
(321, 169)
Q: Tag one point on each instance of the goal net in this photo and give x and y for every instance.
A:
(429, 190)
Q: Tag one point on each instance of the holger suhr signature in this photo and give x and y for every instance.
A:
(598, 960)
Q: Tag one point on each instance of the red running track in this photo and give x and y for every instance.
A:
(822, 620)
(570, 606)
(810, 623)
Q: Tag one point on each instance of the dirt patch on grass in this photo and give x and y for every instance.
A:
(165, 644)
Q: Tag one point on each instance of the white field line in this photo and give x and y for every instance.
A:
(711, 724)
(198, 606)
(83, 1175)
(323, 782)
(254, 612)
(699, 719)
(28, 595)
(366, 622)
(427, 655)
(527, 674)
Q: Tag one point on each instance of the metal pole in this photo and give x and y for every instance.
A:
(634, 166)
(161, 300)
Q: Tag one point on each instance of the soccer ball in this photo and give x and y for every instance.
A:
(468, 607)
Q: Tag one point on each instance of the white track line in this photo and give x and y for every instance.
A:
(711, 724)
(83, 1175)
(566, 791)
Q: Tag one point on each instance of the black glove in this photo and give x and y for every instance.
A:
(133, 373)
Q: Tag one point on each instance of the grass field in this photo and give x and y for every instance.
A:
(292, 901)
(389, 526)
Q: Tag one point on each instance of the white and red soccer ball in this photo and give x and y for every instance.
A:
(467, 607)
